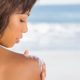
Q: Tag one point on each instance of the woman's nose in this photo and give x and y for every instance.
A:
(25, 28)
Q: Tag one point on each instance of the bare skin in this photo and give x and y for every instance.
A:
(42, 66)
(15, 66)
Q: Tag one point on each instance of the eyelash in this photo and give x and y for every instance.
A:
(22, 20)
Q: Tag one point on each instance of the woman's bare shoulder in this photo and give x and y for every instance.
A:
(27, 66)
(21, 58)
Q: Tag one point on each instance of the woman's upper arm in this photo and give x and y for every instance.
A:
(32, 70)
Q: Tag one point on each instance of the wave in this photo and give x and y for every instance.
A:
(51, 36)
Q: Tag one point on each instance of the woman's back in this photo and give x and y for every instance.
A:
(15, 66)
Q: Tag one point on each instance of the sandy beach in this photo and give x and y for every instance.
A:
(61, 65)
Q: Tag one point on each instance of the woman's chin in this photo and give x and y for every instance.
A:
(7, 46)
(10, 44)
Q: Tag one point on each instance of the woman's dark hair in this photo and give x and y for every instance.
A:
(8, 7)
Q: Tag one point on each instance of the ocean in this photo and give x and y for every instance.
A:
(56, 14)
(54, 36)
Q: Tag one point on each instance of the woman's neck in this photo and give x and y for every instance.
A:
(3, 49)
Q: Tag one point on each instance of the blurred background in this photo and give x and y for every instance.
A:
(54, 36)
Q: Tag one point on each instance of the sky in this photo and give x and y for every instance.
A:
(45, 2)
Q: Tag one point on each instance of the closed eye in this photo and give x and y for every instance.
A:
(22, 20)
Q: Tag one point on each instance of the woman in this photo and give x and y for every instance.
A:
(14, 66)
